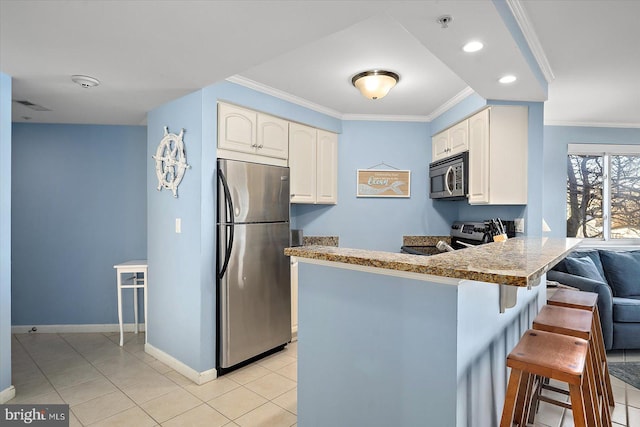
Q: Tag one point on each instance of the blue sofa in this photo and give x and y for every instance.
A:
(615, 277)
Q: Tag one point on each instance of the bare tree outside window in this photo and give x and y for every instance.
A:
(625, 197)
(586, 208)
(584, 196)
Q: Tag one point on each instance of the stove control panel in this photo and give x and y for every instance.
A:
(469, 230)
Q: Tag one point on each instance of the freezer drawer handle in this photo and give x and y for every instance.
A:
(229, 205)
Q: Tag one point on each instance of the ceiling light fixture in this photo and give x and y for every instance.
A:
(375, 84)
(85, 81)
(507, 79)
(472, 46)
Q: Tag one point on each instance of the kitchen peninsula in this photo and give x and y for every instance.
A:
(396, 339)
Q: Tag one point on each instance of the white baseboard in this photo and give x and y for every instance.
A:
(69, 329)
(7, 394)
(195, 376)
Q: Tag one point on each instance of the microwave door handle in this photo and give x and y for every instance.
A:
(446, 180)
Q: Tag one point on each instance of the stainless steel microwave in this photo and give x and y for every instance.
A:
(449, 178)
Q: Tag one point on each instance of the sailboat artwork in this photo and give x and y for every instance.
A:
(383, 183)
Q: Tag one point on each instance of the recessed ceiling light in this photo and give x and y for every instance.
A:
(472, 46)
(509, 78)
(85, 81)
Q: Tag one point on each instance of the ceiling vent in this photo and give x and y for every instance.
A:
(29, 104)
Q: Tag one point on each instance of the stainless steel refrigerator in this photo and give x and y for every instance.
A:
(254, 281)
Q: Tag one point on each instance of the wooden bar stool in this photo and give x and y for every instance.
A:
(576, 323)
(587, 301)
(558, 357)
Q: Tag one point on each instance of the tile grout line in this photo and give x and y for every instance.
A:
(109, 380)
(138, 405)
(76, 349)
(39, 369)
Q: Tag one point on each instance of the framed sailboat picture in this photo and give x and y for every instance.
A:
(383, 183)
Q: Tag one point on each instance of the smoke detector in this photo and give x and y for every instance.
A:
(85, 81)
(444, 20)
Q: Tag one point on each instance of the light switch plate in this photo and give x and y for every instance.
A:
(519, 225)
(178, 225)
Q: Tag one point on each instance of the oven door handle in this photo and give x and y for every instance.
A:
(469, 245)
(446, 180)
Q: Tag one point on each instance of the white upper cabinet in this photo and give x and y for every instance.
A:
(313, 162)
(236, 128)
(451, 141)
(327, 172)
(273, 136)
(498, 144)
(440, 146)
(247, 131)
(302, 163)
(479, 158)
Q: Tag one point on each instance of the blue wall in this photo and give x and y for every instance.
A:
(462, 109)
(379, 223)
(179, 292)
(78, 208)
(182, 266)
(554, 178)
(5, 232)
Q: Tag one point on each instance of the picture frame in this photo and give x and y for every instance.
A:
(383, 183)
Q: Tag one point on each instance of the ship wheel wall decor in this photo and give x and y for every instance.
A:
(171, 161)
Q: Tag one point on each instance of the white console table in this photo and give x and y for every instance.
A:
(134, 268)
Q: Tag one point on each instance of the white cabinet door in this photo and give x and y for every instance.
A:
(498, 145)
(440, 146)
(479, 168)
(459, 138)
(273, 137)
(451, 141)
(508, 154)
(327, 180)
(236, 128)
(302, 163)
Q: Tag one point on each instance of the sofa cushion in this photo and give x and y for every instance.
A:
(626, 309)
(622, 270)
(584, 267)
(592, 253)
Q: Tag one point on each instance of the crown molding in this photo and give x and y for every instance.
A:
(251, 84)
(385, 118)
(592, 124)
(464, 93)
(531, 37)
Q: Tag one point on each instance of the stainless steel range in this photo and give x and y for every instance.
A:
(473, 233)
(463, 234)
(468, 233)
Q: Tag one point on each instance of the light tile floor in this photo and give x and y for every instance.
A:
(106, 385)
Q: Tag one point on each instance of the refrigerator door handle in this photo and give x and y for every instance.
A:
(230, 224)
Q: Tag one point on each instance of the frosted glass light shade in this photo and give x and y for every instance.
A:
(375, 84)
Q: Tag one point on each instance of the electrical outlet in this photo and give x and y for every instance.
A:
(519, 225)
(178, 225)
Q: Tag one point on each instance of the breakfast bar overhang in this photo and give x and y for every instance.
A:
(391, 339)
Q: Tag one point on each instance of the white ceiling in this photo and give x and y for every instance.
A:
(146, 53)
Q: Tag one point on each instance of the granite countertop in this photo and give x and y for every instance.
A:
(518, 262)
(320, 240)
